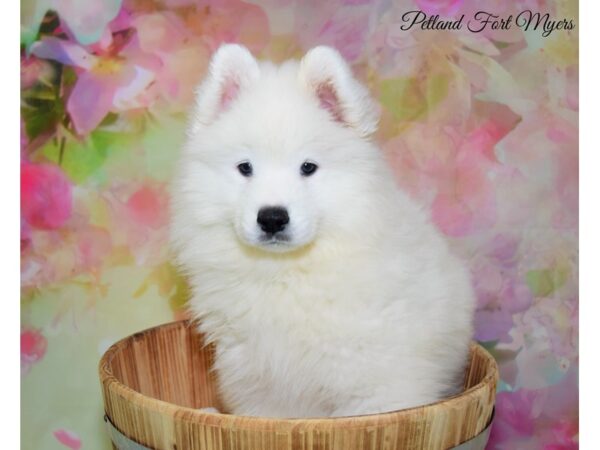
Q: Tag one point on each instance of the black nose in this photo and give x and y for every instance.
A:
(272, 219)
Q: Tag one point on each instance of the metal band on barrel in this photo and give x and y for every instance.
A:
(119, 440)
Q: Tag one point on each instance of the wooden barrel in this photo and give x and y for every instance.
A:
(155, 381)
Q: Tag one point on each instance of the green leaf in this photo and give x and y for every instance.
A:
(437, 89)
(69, 77)
(80, 160)
(544, 282)
(42, 116)
(402, 98)
(84, 159)
(42, 108)
(182, 294)
(109, 119)
(161, 146)
(409, 98)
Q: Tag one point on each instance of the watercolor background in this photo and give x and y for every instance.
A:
(482, 128)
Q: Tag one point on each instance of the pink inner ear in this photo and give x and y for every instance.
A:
(329, 101)
(229, 93)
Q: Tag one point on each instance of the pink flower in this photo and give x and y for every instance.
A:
(33, 348)
(515, 417)
(106, 82)
(139, 215)
(148, 207)
(181, 59)
(68, 439)
(453, 167)
(221, 21)
(159, 32)
(93, 247)
(467, 209)
(84, 20)
(493, 324)
(537, 419)
(567, 178)
(34, 70)
(466, 202)
(346, 31)
(142, 58)
(46, 200)
(563, 436)
(343, 25)
(442, 7)
(25, 236)
(501, 290)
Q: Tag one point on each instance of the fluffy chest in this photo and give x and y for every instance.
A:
(298, 360)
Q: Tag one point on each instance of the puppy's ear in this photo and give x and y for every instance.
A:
(328, 77)
(232, 69)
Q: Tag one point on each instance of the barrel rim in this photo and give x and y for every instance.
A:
(187, 414)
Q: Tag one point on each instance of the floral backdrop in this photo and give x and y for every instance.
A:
(480, 127)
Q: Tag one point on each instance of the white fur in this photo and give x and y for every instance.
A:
(364, 309)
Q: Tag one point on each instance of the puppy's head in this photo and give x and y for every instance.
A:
(278, 154)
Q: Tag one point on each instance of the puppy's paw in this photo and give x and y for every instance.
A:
(210, 409)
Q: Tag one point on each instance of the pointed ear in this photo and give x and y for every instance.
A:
(328, 77)
(232, 69)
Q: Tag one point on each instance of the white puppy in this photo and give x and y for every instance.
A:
(326, 290)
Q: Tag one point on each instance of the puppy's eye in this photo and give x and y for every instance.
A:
(245, 168)
(308, 168)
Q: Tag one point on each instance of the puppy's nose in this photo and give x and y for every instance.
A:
(272, 219)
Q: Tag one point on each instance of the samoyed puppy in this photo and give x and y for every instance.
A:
(325, 289)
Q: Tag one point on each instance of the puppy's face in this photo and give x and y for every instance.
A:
(277, 154)
(277, 207)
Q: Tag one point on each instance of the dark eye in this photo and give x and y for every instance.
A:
(245, 168)
(307, 168)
